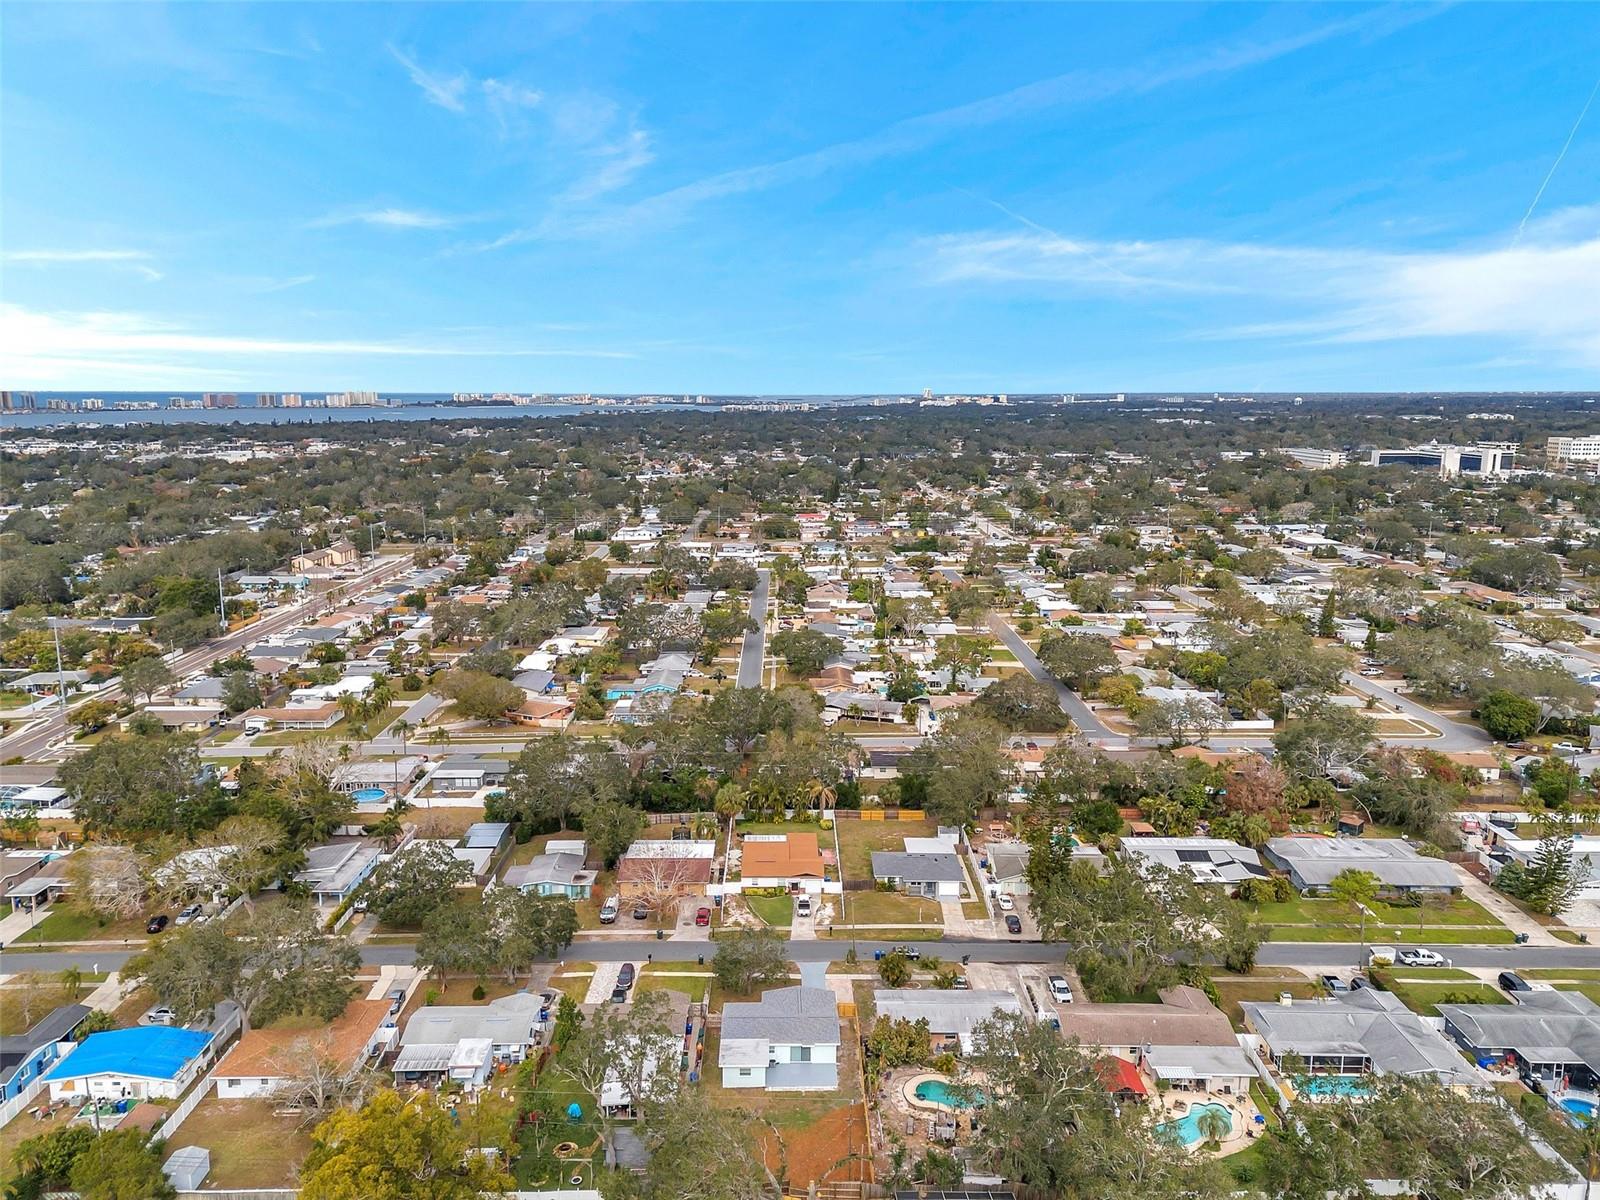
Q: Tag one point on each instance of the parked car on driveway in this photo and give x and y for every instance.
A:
(156, 923)
(1060, 989)
(1013, 923)
(189, 914)
(1334, 984)
(1005, 902)
(641, 911)
(625, 976)
(161, 1014)
(1510, 981)
(608, 910)
(702, 916)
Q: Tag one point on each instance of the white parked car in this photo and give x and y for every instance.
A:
(1419, 956)
(1060, 990)
(161, 1014)
(1005, 903)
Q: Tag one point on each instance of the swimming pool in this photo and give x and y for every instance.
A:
(1337, 1085)
(938, 1091)
(369, 795)
(1582, 1111)
(1187, 1127)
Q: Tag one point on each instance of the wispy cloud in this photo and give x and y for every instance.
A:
(912, 134)
(387, 218)
(62, 348)
(137, 260)
(504, 100)
(1539, 294)
(445, 91)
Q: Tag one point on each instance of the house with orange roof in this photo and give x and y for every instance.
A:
(787, 860)
(266, 1061)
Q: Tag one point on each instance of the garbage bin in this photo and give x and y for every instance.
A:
(661, 934)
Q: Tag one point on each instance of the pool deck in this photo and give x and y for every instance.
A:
(1175, 1103)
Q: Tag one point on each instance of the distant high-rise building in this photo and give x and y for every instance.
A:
(92, 404)
(351, 399)
(18, 402)
(266, 399)
(220, 400)
(290, 400)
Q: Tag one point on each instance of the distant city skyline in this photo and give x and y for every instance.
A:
(797, 199)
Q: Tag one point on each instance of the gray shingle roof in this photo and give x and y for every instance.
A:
(917, 868)
(1364, 1024)
(798, 1016)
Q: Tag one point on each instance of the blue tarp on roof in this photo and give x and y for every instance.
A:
(153, 1051)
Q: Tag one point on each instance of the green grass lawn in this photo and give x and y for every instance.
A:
(1451, 935)
(888, 908)
(1235, 992)
(1587, 974)
(1303, 910)
(744, 827)
(536, 1166)
(1425, 998)
(64, 923)
(657, 976)
(777, 911)
(927, 933)
(858, 839)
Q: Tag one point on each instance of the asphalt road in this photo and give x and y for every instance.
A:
(33, 739)
(753, 653)
(1272, 954)
(1073, 704)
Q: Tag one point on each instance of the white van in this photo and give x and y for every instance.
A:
(608, 910)
(1380, 956)
(802, 906)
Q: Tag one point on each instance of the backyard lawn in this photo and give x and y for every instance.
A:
(250, 1147)
(858, 839)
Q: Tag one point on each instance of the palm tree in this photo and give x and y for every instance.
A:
(1213, 1124)
(820, 795)
(400, 728)
(766, 795)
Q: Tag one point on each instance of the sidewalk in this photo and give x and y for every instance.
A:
(1508, 914)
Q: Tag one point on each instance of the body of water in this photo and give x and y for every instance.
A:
(318, 416)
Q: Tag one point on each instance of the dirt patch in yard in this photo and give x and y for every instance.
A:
(821, 1149)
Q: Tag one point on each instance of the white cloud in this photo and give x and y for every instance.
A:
(912, 134)
(137, 260)
(387, 218)
(1540, 294)
(445, 92)
(506, 101)
(98, 348)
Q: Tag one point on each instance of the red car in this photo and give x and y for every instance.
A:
(702, 916)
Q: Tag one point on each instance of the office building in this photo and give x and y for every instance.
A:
(1314, 459)
(1486, 458)
(1573, 450)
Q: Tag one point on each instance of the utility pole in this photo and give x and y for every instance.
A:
(222, 603)
(61, 676)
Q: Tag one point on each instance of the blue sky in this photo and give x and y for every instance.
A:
(784, 197)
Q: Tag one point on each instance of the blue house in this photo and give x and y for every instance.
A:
(145, 1062)
(25, 1056)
